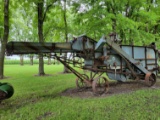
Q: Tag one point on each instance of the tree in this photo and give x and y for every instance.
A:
(5, 37)
(40, 34)
(42, 8)
(65, 29)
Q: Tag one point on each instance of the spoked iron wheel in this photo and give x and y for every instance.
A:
(150, 79)
(80, 83)
(100, 85)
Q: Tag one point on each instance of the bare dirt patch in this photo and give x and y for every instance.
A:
(114, 88)
(45, 75)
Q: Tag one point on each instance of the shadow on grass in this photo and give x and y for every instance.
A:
(14, 104)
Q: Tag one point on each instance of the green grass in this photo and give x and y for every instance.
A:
(38, 98)
(16, 62)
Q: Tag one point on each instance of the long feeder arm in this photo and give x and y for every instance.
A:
(37, 47)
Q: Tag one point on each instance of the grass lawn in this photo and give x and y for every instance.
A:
(38, 98)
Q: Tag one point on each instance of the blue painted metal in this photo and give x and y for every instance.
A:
(119, 62)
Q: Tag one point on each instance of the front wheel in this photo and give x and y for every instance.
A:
(100, 85)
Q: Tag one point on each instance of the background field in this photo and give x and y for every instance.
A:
(38, 98)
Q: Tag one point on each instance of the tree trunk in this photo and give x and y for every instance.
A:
(49, 59)
(57, 62)
(155, 31)
(131, 42)
(40, 35)
(66, 33)
(21, 59)
(5, 37)
(122, 36)
(114, 25)
(41, 65)
(31, 59)
(2, 55)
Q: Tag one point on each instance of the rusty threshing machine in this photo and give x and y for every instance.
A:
(119, 62)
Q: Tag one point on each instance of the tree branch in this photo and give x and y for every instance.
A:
(45, 12)
(47, 9)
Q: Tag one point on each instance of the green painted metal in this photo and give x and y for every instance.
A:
(6, 91)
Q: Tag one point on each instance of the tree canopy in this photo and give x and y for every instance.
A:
(136, 21)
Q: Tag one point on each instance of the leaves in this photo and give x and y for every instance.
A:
(134, 20)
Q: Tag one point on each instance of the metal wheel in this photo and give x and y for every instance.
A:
(150, 79)
(100, 85)
(80, 83)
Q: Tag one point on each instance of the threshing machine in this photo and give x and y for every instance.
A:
(119, 62)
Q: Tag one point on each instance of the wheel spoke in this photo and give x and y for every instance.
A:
(100, 85)
(80, 83)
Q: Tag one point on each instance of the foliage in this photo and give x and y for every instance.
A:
(23, 27)
(134, 20)
(39, 98)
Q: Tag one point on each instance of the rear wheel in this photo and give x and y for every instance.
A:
(150, 79)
